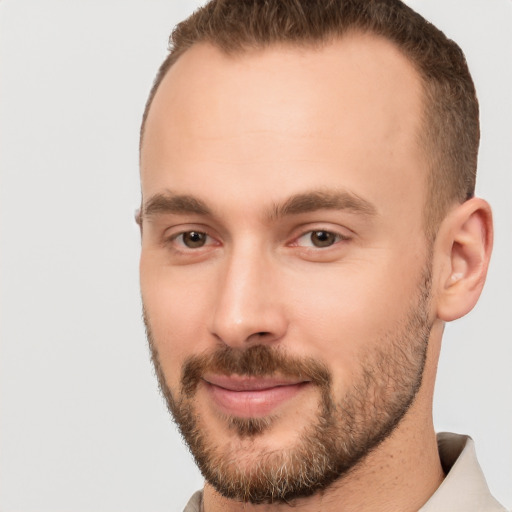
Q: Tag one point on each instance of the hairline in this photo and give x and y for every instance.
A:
(433, 213)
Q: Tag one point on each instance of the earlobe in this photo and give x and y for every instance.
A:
(465, 245)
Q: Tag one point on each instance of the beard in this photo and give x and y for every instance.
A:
(340, 436)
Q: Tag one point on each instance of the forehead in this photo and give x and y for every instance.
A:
(349, 110)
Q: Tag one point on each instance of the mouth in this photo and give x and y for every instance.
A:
(251, 397)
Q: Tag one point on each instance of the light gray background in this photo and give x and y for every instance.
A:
(82, 425)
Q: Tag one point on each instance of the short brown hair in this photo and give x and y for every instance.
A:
(451, 130)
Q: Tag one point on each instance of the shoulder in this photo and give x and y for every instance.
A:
(195, 502)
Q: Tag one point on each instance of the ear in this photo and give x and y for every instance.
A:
(463, 246)
(138, 218)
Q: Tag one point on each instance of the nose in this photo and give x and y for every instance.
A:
(248, 309)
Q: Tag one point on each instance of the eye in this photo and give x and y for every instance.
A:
(319, 238)
(192, 239)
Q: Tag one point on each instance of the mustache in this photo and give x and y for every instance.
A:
(255, 361)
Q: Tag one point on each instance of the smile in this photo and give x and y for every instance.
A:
(251, 397)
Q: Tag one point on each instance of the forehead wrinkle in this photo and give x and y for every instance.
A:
(322, 200)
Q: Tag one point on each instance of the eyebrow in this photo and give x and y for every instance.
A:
(323, 200)
(182, 204)
(174, 203)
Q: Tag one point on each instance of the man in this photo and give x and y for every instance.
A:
(308, 226)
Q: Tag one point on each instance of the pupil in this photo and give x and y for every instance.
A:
(322, 238)
(194, 239)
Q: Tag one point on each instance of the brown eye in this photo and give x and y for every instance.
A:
(320, 239)
(323, 238)
(193, 239)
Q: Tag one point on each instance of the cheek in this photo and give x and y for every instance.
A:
(174, 309)
(342, 313)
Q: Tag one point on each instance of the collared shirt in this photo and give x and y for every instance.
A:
(464, 488)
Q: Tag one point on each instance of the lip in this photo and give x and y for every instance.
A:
(251, 397)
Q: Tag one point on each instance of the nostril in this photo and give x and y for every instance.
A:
(262, 333)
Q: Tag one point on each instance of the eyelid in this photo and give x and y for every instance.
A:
(337, 238)
(179, 236)
(171, 235)
(341, 232)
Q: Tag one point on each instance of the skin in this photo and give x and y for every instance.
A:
(243, 134)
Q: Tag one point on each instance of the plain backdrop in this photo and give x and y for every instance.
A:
(82, 425)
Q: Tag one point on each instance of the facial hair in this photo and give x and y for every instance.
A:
(340, 437)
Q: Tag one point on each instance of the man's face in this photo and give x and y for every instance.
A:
(284, 268)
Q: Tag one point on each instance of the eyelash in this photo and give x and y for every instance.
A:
(333, 238)
(175, 239)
